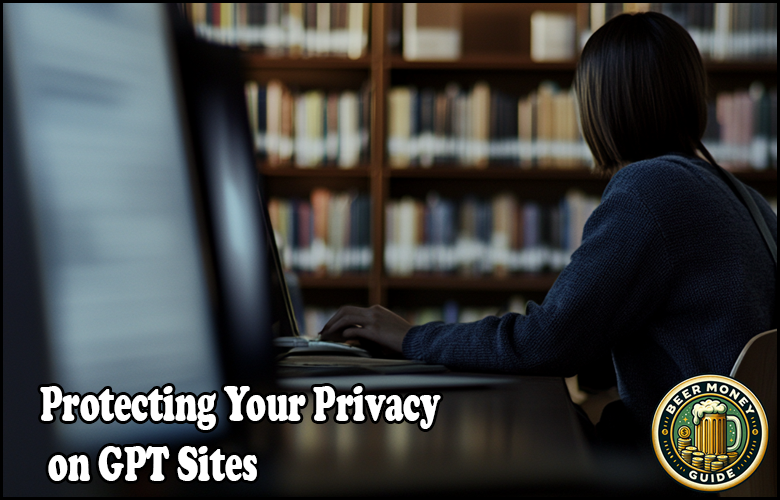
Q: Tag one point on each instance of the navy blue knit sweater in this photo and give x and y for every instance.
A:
(672, 276)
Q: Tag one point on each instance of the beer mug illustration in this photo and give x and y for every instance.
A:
(710, 420)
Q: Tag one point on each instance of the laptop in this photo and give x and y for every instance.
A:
(288, 340)
(304, 357)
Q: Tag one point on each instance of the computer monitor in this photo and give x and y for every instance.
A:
(135, 251)
(229, 183)
(218, 117)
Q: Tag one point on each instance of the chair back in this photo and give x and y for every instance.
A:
(756, 367)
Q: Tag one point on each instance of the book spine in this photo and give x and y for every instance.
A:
(322, 43)
(296, 31)
(274, 98)
(357, 30)
(274, 34)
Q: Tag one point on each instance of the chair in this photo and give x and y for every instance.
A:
(756, 367)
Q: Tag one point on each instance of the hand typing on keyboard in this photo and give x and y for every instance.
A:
(374, 324)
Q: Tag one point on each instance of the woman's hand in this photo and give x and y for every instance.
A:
(375, 323)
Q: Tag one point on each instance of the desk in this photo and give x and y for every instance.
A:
(514, 434)
(522, 432)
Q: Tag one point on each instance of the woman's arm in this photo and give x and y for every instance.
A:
(614, 283)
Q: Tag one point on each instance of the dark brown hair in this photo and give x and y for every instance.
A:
(642, 91)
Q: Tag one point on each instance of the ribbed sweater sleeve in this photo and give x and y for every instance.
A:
(614, 282)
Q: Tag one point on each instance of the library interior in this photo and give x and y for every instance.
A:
(425, 158)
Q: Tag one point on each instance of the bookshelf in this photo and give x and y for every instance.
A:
(496, 48)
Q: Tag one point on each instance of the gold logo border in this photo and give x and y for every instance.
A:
(672, 471)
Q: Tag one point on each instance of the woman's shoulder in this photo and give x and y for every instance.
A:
(660, 177)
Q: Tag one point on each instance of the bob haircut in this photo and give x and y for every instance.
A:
(642, 91)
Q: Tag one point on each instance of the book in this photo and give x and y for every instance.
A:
(274, 96)
(322, 37)
(480, 123)
(399, 127)
(293, 25)
(357, 29)
(432, 31)
(395, 28)
(553, 36)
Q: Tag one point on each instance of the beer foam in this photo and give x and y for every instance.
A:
(705, 408)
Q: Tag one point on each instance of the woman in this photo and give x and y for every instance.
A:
(672, 275)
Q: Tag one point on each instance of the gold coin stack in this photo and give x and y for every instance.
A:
(708, 459)
(692, 449)
(698, 462)
(716, 465)
(732, 456)
(683, 443)
(724, 459)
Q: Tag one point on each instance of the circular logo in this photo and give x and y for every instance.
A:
(710, 433)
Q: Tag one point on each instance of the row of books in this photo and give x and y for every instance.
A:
(742, 128)
(286, 29)
(328, 233)
(722, 31)
(434, 32)
(482, 127)
(315, 318)
(479, 126)
(309, 128)
(483, 236)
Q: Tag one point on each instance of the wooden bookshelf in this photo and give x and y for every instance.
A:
(486, 61)
(762, 67)
(317, 173)
(530, 282)
(495, 173)
(252, 61)
(349, 281)
(508, 65)
(764, 181)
